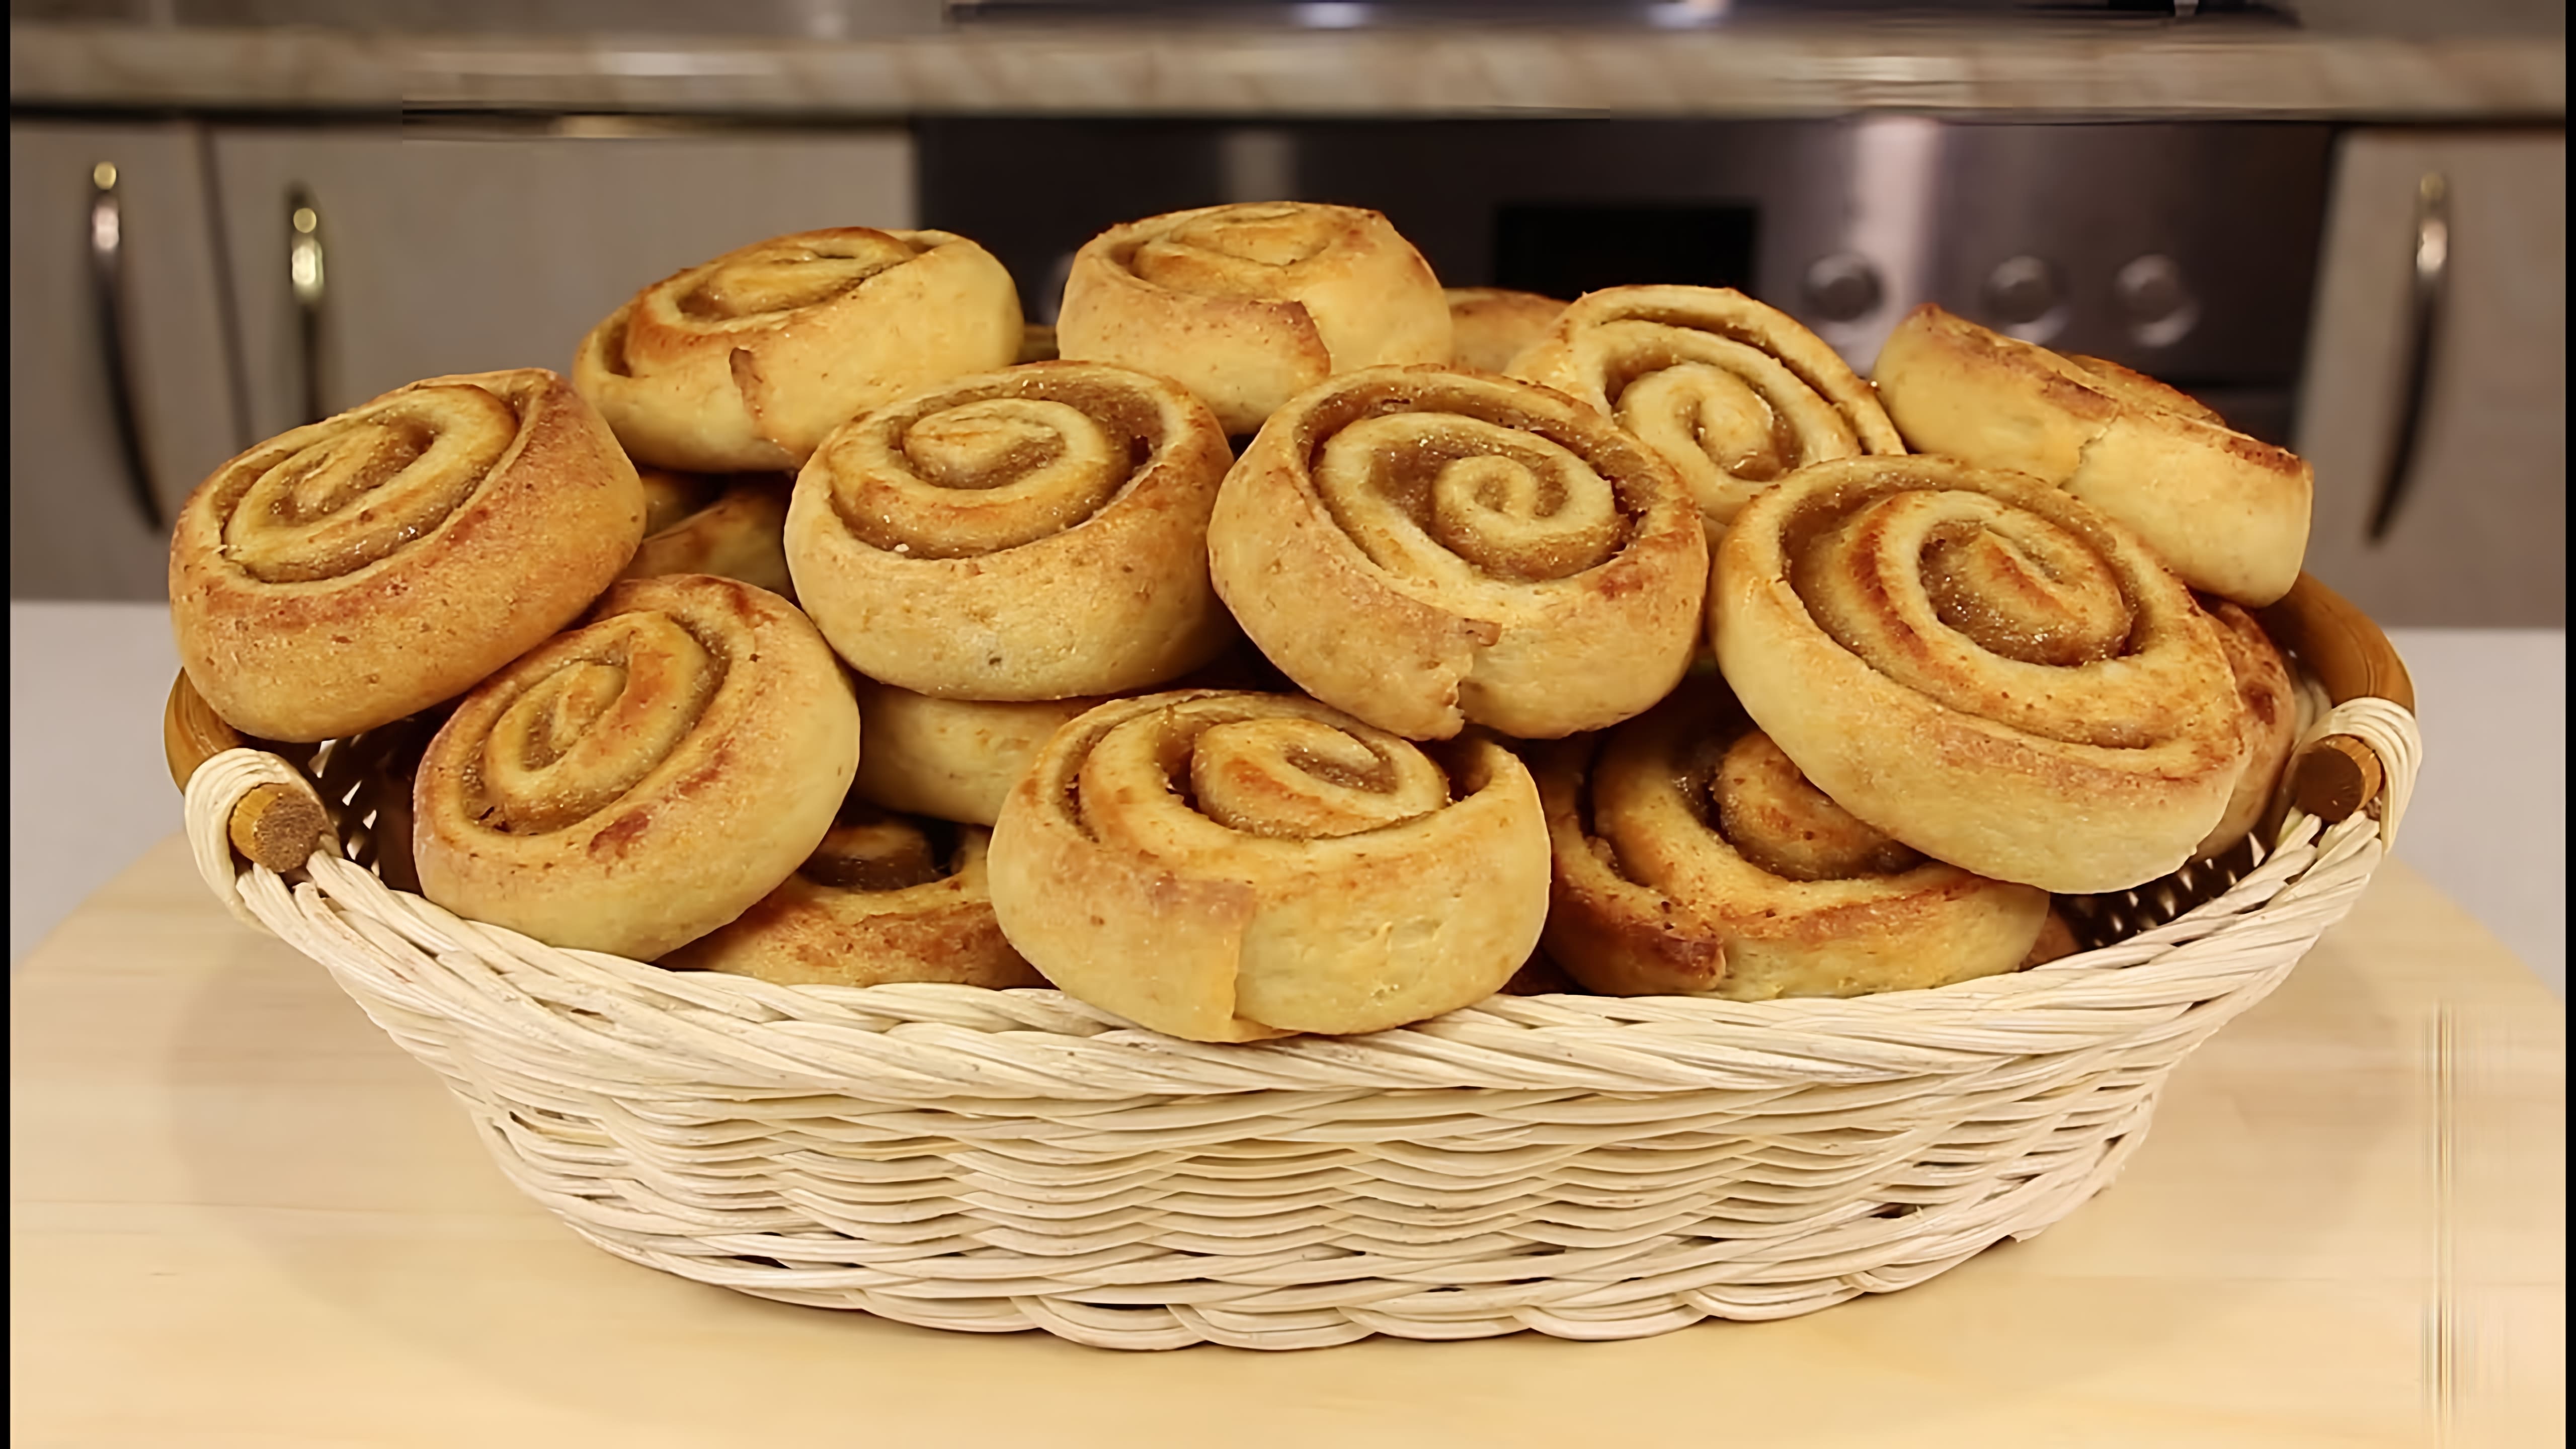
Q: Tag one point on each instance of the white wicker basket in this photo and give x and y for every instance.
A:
(1588, 1167)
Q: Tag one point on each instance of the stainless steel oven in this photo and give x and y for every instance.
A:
(2185, 250)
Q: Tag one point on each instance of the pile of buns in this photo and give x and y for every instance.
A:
(1278, 644)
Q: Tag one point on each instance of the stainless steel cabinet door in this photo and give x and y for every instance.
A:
(78, 527)
(2479, 532)
(446, 253)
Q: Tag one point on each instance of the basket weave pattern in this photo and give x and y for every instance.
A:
(1588, 1167)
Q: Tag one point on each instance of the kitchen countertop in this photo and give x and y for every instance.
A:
(239, 1215)
(808, 62)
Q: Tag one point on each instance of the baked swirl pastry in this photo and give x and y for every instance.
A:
(1230, 866)
(2268, 720)
(1489, 326)
(1693, 858)
(1249, 304)
(1424, 548)
(1735, 394)
(1982, 667)
(733, 525)
(883, 899)
(643, 779)
(356, 570)
(1034, 533)
(742, 364)
(952, 759)
(2227, 512)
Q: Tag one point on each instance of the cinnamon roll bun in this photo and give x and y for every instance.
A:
(1228, 866)
(2227, 512)
(2268, 720)
(744, 363)
(1731, 392)
(1692, 857)
(356, 570)
(883, 899)
(1982, 667)
(1249, 304)
(1489, 326)
(1034, 533)
(1425, 548)
(643, 779)
(732, 525)
(952, 759)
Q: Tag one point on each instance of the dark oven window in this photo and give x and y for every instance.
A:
(1565, 251)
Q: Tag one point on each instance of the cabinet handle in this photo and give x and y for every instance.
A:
(107, 289)
(2423, 318)
(305, 279)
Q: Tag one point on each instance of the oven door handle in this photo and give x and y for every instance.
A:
(107, 291)
(306, 282)
(2423, 321)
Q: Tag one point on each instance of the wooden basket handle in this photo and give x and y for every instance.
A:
(2352, 658)
(273, 825)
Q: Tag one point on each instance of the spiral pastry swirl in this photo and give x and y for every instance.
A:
(1982, 667)
(1034, 533)
(884, 898)
(1733, 393)
(1424, 548)
(732, 525)
(2227, 512)
(1249, 304)
(745, 362)
(1227, 866)
(359, 569)
(1692, 857)
(643, 779)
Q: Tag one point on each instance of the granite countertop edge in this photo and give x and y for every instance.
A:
(2151, 72)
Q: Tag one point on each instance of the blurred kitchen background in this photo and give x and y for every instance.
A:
(2340, 222)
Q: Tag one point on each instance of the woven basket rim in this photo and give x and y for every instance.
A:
(938, 1042)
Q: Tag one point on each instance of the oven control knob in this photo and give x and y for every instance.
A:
(2156, 300)
(1843, 288)
(2023, 291)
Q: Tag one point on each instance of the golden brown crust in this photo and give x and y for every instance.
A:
(2227, 512)
(1425, 548)
(643, 779)
(956, 759)
(1230, 866)
(1691, 858)
(733, 526)
(845, 919)
(745, 362)
(1034, 533)
(359, 569)
(952, 759)
(2269, 721)
(1732, 393)
(1489, 326)
(1982, 667)
(1249, 304)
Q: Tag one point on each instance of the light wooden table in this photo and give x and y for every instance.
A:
(241, 1216)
